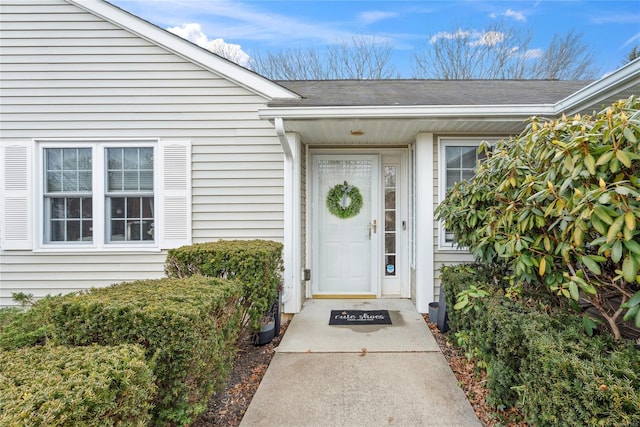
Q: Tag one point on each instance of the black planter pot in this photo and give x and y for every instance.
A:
(266, 334)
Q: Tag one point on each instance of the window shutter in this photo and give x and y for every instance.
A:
(15, 185)
(174, 193)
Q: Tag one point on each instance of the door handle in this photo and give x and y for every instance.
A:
(372, 226)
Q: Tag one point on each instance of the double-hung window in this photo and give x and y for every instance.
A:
(68, 195)
(99, 194)
(459, 159)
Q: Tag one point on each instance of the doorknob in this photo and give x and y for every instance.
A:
(372, 226)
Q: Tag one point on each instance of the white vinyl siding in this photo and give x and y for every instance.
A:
(68, 75)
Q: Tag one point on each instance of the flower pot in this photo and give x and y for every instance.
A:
(433, 312)
(266, 333)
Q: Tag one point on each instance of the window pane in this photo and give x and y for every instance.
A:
(146, 158)
(468, 174)
(390, 198)
(131, 158)
(131, 181)
(390, 243)
(87, 207)
(453, 157)
(70, 181)
(117, 231)
(84, 159)
(54, 159)
(469, 157)
(73, 231)
(70, 159)
(84, 181)
(147, 230)
(146, 180)
(114, 159)
(390, 265)
(147, 207)
(57, 208)
(133, 207)
(115, 181)
(390, 221)
(54, 182)
(117, 207)
(73, 208)
(453, 176)
(57, 231)
(389, 176)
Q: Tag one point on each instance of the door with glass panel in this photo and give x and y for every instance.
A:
(345, 231)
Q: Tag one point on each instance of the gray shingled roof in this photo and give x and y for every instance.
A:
(426, 92)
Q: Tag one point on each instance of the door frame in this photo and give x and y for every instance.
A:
(403, 251)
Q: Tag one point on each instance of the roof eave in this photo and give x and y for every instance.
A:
(619, 80)
(185, 49)
(402, 112)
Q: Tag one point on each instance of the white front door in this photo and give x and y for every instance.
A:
(345, 242)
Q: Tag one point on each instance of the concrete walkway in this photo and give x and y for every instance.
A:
(347, 376)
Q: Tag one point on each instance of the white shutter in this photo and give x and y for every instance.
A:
(174, 193)
(15, 188)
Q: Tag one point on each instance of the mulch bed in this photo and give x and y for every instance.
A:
(227, 407)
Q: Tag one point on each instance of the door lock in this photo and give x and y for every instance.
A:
(372, 226)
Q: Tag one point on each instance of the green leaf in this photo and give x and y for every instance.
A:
(624, 158)
(615, 228)
(629, 269)
(601, 213)
(633, 301)
(573, 289)
(628, 133)
(591, 264)
(631, 313)
(616, 251)
(604, 158)
(633, 246)
(589, 325)
(590, 164)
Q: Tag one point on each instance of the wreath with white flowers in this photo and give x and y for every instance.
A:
(344, 200)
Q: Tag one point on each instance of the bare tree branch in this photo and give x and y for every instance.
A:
(360, 58)
(503, 52)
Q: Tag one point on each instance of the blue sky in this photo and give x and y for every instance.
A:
(611, 28)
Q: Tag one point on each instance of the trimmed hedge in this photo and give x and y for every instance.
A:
(22, 328)
(541, 359)
(256, 263)
(88, 386)
(188, 328)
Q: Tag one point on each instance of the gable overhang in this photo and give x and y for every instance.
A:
(185, 49)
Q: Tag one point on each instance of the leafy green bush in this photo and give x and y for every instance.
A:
(27, 327)
(88, 386)
(560, 204)
(572, 381)
(541, 358)
(257, 263)
(188, 328)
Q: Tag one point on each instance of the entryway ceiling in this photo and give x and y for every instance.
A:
(395, 131)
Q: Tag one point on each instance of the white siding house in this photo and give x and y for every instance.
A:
(120, 140)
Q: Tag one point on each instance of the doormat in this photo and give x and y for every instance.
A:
(360, 317)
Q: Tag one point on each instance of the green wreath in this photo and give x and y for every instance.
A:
(337, 200)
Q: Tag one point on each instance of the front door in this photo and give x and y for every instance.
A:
(345, 225)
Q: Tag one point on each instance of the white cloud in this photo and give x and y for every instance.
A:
(475, 38)
(488, 38)
(374, 16)
(510, 13)
(193, 32)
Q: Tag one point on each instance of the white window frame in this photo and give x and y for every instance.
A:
(100, 228)
(448, 141)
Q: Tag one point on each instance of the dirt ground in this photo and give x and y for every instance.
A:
(227, 407)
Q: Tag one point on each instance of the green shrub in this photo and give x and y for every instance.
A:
(540, 358)
(188, 328)
(572, 381)
(27, 327)
(560, 205)
(256, 263)
(79, 386)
